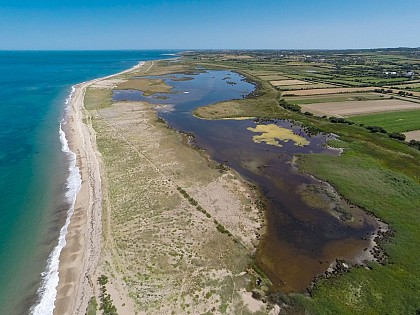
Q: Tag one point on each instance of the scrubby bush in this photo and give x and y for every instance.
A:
(398, 136)
(292, 107)
(375, 129)
(339, 120)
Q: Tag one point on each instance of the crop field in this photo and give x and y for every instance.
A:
(305, 86)
(366, 96)
(375, 80)
(392, 122)
(415, 86)
(350, 108)
(327, 91)
(288, 82)
(272, 77)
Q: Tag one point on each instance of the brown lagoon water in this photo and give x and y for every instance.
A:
(309, 225)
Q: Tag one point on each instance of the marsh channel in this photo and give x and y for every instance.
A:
(309, 225)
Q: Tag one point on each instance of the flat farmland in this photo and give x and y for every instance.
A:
(272, 77)
(359, 108)
(392, 122)
(364, 96)
(289, 82)
(309, 86)
(269, 75)
(410, 84)
(328, 91)
(415, 86)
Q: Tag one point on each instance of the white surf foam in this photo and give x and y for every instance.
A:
(47, 291)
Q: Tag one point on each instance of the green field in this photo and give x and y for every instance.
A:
(392, 122)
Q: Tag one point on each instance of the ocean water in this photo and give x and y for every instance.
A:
(36, 174)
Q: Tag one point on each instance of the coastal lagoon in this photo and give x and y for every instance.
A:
(309, 225)
(34, 170)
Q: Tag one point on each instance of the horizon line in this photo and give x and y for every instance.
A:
(213, 49)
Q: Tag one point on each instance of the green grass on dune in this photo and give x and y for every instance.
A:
(393, 122)
(96, 98)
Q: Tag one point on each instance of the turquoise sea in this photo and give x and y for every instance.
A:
(33, 167)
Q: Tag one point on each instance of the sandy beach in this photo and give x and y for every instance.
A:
(79, 258)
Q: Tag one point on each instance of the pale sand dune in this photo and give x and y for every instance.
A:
(349, 108)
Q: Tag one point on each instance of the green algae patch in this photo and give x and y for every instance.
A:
(273, 134)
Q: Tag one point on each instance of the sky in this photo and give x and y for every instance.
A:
(211, 24)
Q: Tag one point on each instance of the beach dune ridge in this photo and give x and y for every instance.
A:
(66, 284)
